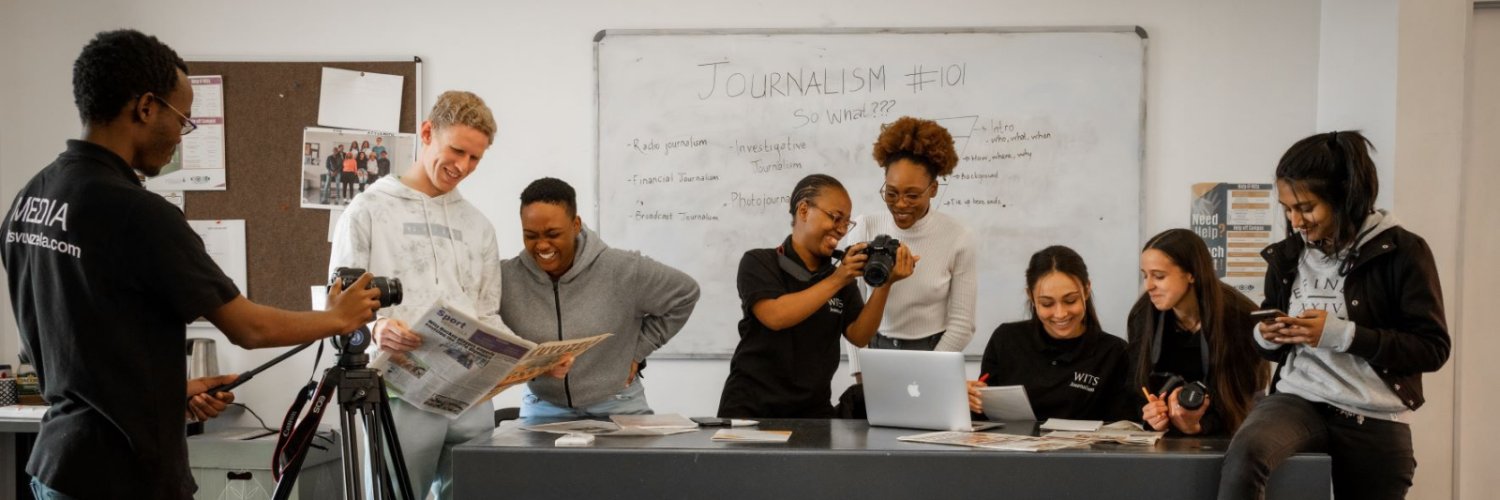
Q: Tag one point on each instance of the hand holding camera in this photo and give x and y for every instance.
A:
(354, 295)
(1179, 402)
(885, 260)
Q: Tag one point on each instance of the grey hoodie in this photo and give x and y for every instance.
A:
(1327, 373)
(440, 247)
(641, 301)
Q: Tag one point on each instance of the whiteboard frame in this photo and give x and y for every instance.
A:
(605, 33)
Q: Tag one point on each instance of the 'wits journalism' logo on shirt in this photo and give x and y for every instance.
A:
(836, 305)
(1085, 381)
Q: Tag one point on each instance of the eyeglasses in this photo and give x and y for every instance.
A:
(187, 124)
(890, 194)
(840, 222)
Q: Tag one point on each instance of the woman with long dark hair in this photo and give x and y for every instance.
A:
(1071, 368)
(1187, 328)
(797, 302)
(1364, 320)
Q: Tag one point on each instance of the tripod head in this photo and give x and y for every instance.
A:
(351, 348)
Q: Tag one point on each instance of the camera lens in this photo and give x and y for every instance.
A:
(882, 252)
(1191, 396)
(391, 294)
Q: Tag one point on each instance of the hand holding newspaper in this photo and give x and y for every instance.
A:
(463, 361)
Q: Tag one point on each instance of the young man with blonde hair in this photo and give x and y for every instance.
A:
(418, 228)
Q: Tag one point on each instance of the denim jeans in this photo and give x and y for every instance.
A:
(928, 343)
(41, 491)
(631, 401)
(1372, 458)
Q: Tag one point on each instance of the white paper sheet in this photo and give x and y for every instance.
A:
(1063, 424)
(225, 241)
(360, 100)
(198, 164)
(175, 198)
(333, 221)
(1007, 402)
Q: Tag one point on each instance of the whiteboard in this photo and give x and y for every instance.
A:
(703, 134)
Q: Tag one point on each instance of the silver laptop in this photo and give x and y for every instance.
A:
(917, 389)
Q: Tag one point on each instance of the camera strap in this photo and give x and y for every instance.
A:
(792, 266)
(292, 444)
(1161, 321)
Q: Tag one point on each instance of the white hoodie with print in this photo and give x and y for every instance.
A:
(439, 247)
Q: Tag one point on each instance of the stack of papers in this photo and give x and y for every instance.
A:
(622, 425)
(994, 441)
(1122, 432)
(752, 436)
(1063, 424)
(671, 421)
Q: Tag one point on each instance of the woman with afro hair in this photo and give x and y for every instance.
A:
(934, 308)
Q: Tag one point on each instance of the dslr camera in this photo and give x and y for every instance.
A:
(882, 252)
(1192, 393)
(390, 288)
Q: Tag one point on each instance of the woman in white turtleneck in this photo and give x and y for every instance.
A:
(934, 308)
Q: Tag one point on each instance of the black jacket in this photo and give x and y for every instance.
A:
(1394, 300)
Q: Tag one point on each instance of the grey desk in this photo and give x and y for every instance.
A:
(850, 459)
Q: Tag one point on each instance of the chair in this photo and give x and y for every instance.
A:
(509, 413)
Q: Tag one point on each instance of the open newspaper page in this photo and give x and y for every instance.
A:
(463, 361)
(995, 441)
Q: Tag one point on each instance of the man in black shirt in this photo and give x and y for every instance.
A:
(104, 276)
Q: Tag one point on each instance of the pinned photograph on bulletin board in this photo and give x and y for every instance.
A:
(198, 162)
(339, 164)
(1237, 221)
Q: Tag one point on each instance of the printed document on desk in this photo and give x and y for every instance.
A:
(463, 361)
(1007, 402)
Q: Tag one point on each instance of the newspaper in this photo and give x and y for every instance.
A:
(995, 441)
(463, 361)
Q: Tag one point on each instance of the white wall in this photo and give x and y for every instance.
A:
(1476, 437)
(1431, 64)
(1230, 85)
(1357, 77)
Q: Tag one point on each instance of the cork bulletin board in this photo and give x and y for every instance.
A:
(266, 107)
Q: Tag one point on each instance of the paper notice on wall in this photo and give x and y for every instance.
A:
(198, 163)
(360, 100)
(225, 242)
(1237, 221)
(175, 198)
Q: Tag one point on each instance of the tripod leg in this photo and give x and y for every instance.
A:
(393, 444)
(380, 477)
(353, 485)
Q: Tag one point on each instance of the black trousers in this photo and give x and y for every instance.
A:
(1372, 458)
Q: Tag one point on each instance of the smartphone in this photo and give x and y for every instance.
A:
(1267, 316)
(711, 421)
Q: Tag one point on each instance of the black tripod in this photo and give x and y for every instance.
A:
(360, 390)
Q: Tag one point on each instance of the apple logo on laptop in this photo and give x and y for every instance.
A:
(913, 390)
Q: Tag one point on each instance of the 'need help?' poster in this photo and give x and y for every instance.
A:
(1237, 221)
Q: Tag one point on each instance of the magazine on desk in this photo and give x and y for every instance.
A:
(463, 361)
